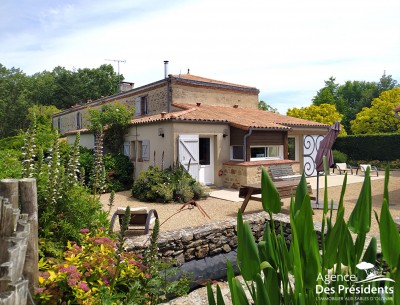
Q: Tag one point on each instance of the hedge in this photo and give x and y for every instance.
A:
(382, 147)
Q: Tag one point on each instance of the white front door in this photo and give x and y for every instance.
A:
(188, 150)
(206, 160)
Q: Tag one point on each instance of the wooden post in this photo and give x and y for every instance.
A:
(28, 197)
(9, 189)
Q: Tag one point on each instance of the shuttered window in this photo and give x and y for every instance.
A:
(141, 105)
(145, 150)
(127, 149)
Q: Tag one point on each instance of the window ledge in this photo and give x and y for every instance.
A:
(259, 163)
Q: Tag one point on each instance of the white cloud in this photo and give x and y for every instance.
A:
(285, 48)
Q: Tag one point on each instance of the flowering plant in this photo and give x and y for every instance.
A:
(89, 270)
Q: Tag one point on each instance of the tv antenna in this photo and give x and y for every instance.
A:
(118, 61)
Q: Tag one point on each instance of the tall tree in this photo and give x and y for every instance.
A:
(61, 88)
(113, 119)
(328, 94)
(13, 102)
(379, 118)
(386, 83)
(324, 113)
(266, 107)
(64, 88)
(352, 96)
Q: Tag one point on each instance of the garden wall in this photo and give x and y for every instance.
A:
(211, 239)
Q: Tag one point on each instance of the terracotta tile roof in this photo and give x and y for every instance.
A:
(71, 132)
(195, 78)
(243, 118)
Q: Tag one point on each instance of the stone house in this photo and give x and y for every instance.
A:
(212, 127)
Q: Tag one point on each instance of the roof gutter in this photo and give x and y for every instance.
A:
(245, 143)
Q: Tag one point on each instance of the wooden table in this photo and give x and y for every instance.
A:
(285, 189)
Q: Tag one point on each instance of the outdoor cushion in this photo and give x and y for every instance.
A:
(363, 168)
(343, 167)
(140, 217)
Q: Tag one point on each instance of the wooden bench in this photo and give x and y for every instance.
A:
(281, 172)
(285, 189)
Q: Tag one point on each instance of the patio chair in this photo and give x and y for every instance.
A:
(140, 218)
(343, 167)
(363, 168)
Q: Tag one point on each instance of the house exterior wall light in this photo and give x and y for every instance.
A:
(161, 132)
(225, 133)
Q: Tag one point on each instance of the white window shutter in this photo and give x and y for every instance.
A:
(145, 150)
(127, 149)
(137, 106)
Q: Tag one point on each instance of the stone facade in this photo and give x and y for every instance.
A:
(158, 94)
(236, 174)
(212, 96)
(67, 120)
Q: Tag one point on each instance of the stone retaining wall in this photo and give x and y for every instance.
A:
(207, 240)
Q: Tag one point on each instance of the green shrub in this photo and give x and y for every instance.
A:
(369, 147)
(15, 142)
(87, 272)
(143, 188)
(339, 157)
(61, 221)
(198, 191)
(172, 184)
(160, 193)
(10, 164)
(183, 191)
(119, 170)
(97, 270)
(64, 204)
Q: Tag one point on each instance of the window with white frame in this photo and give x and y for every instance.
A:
(272, 152)
(237, 153)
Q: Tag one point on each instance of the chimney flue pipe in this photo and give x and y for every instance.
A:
(165, 68)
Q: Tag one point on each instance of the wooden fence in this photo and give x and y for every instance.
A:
(18, 241)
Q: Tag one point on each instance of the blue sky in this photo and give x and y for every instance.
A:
(287, 49)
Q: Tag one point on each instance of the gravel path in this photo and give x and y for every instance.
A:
(218, 209)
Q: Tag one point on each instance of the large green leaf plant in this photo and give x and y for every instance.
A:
(316, 270)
